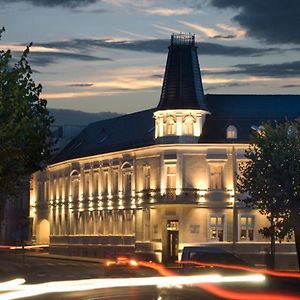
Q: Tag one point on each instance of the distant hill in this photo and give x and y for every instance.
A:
(77, 117)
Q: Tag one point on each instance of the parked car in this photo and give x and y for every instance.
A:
(212, 256)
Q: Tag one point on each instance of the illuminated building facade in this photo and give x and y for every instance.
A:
(154, 181)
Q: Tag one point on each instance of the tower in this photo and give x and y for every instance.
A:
(181, 111)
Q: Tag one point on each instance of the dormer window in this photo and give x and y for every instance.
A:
(231, 132)
(170, 126)
(188, 127)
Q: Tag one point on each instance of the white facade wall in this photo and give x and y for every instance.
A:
(77, 204)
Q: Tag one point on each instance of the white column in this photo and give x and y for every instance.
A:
(161, 126)
(198, 125)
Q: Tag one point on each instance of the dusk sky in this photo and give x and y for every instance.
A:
(109, 55)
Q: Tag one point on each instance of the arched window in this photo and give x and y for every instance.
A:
(188, 125)
(127, 178)
(170, 126)
(75, 185)
(231, 132)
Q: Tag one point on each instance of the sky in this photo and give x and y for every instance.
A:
(109, 55)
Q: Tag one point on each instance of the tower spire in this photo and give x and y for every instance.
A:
(182, 86)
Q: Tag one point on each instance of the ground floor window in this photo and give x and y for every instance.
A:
(216, 228)
(246, 228)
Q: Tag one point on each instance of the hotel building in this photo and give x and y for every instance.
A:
(157, 180)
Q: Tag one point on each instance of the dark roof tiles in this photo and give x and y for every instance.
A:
(137, 129)
(182, 86)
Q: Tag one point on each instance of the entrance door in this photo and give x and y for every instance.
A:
(172, 240)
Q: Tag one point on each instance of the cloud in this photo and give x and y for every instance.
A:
(220, 36)
(169, 11)
(226, 85)
(47, 58)
(207, 31)
(273, 21)
(238, 33)
(53, 3)
(43, 55)
(109, 87)
(166, 29)
(282, 70)
(112, 81)
(80, 84)
(291, 86)
(227, 31)
(156, 46)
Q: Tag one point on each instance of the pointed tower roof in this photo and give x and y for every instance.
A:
(182, 87)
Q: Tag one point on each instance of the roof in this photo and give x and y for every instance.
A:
(137, 129)
(244, 111)
(124, 132)
(182, 86)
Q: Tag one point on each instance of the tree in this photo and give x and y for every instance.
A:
(270, 179)
(25, 137)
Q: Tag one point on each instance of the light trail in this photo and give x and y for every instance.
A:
(94, 284)
(28, 247)
(10, 284)
(225, 293)
(204, 282)
(244, 268)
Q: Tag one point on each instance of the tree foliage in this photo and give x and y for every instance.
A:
(25, 137)
(270, 178)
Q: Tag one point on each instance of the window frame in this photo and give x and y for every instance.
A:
(173, 176)
(170, 126)
(187, 122)
(246, 215)
(224, 227)
(216, 164)
(231, 132)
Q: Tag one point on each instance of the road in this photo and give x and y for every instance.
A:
(38, 270)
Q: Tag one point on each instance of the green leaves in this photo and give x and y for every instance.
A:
(25, 137)
(271, 175)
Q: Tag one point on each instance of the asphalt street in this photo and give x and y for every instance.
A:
(35, 270)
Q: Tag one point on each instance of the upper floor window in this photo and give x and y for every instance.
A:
(127, 182)
(216, 177)
(60, 187)
(127, 172)
(231, 132)
(96, 183)
(55, 189)
(46, 190)
(146, 177)
(188, 125)
(87, 184)
(171, 176)
(170, 126)
(105, 182)
(115, 182)
(75, 185)
(40, 191)
(246, 228)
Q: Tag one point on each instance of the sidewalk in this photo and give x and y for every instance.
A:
(64, 257)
